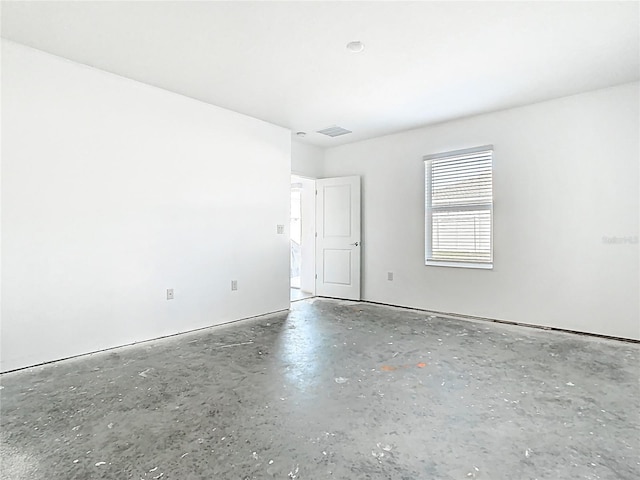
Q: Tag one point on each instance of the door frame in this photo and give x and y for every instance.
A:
(308, 219)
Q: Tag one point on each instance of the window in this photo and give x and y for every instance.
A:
(459, 208)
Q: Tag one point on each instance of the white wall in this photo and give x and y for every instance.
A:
(306, 160)
(566, 175)
(114, 191)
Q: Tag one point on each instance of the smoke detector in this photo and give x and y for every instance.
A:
(355, 47)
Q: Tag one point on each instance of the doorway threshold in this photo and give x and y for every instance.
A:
(297, 294)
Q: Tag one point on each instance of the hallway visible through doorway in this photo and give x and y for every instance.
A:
(302, 233)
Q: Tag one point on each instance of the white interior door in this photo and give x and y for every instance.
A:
(338, 241)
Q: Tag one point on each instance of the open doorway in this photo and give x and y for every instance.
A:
(302, 237)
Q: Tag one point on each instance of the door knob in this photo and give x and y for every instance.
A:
(355, 244)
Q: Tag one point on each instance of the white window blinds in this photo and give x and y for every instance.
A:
(459, 204)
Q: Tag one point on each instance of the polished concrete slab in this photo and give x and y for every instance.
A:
(332, 389)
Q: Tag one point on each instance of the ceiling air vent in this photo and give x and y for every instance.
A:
(334, 131)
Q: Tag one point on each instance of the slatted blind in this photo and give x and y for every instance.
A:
(459, 203)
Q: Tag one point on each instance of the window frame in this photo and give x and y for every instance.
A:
(429, 209)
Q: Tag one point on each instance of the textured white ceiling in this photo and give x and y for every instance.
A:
(286, 62)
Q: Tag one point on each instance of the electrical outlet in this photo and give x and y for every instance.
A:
(234, 285)
(390, 276)
(169, 293)
(280, 229)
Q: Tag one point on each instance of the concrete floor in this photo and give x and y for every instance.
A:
(332, 390)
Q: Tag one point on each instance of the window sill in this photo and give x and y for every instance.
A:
(481, 266)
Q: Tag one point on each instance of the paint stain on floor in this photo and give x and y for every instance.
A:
(392, 368)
